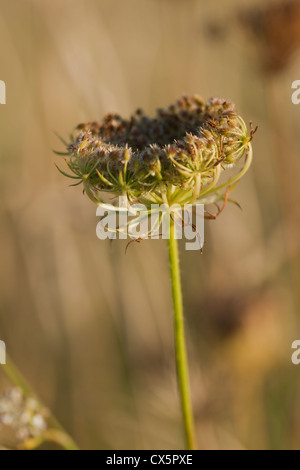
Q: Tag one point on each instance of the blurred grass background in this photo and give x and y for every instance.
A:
(91, 328)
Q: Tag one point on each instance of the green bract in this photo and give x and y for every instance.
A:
(179, 156)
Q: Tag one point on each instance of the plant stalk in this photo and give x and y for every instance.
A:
(180, 342)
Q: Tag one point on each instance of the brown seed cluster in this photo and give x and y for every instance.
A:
(178, 154)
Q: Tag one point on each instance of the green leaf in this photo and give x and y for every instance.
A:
(61, 154)
(66, 174)
(61, 139)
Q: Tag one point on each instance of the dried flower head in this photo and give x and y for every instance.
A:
(24, 415)
(177, 157)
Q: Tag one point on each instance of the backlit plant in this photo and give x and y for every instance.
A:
(190, 153)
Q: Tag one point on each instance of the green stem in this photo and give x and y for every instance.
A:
(180, 343)
(62, 437)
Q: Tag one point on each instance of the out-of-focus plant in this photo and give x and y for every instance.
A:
(30, 420)
(176, 158)
(276, 30)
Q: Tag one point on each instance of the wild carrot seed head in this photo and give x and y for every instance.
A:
(177, 156)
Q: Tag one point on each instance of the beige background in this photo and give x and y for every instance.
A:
(91, 328)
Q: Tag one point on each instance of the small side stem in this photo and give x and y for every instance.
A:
(180, 343)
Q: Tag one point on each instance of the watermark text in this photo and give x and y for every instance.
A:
(140, 222)
(296, 93)
(2, 353)
(296, 354)
(2, 92)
